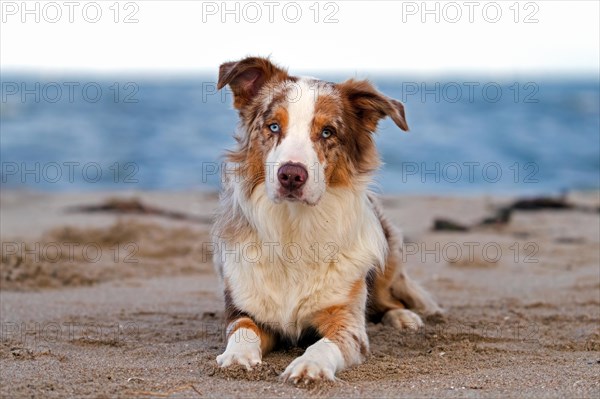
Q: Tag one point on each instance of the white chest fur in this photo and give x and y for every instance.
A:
(301, 259)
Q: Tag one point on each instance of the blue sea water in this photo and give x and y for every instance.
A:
(468, 136)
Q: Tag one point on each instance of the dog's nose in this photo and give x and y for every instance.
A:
(292, 176)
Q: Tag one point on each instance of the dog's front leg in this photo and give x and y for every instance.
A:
(344, 344)
(246, 344)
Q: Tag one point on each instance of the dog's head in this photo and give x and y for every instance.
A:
(302, 136)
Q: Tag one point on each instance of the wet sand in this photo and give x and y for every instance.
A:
(109, 305)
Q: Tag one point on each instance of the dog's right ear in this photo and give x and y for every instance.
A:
(247, 76)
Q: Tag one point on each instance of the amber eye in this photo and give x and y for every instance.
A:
(326, 133)
(275, 128)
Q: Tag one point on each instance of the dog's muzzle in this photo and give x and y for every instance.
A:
(292, 177)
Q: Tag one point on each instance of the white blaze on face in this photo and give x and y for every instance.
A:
(297, 146)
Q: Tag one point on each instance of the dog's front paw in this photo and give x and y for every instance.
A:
(247, 357)
(320, 362)
(402, 319)
(243, 348)
(307, 370)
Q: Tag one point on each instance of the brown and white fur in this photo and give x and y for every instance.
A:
(301, 245)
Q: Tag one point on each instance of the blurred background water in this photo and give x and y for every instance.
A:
(468, 136)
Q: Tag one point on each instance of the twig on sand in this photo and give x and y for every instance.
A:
(196, 389)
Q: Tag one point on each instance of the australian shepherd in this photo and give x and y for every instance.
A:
(302, 247)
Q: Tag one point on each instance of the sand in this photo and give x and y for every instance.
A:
(109, 305)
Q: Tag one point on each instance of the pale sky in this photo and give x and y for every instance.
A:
(382, 36)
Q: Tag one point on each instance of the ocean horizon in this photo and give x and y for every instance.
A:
(467, 135)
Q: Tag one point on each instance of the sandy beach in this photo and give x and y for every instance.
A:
(114, 304)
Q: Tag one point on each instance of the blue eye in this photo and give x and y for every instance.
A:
(326, 133)
(274, 127)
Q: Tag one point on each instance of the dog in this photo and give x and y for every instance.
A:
(302, 247)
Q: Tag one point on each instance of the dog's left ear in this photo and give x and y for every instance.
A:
(246, 77)
(370, 106)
